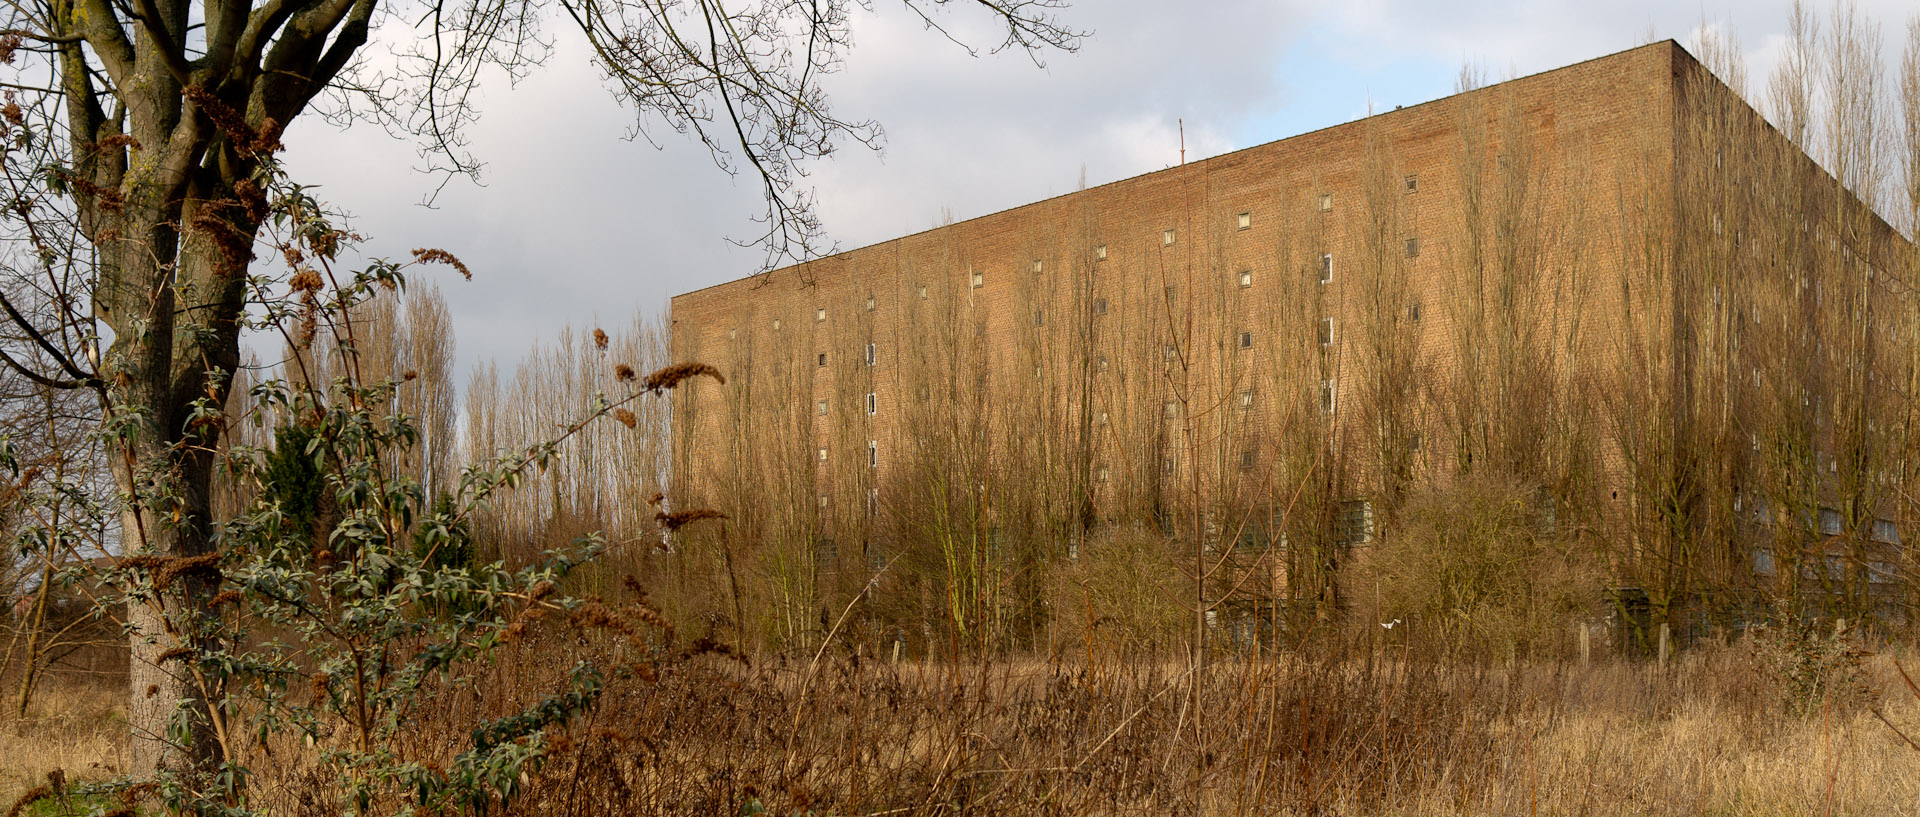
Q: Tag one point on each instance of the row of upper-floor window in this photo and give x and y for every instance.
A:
(1168, 237)
(1244, 278)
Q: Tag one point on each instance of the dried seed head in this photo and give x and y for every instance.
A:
(206, 564)
(625, 417)
(599, 339)
(672, 376)
(306, 280)
(437, 256)
(623, 371)
(680, 519)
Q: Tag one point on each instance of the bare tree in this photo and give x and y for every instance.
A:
(164, 113)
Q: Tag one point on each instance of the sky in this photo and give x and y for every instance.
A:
(571, 223)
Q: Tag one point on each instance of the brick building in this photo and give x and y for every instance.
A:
(1273, 348)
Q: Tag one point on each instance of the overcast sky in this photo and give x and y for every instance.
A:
(573, 224)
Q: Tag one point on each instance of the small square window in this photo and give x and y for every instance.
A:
(1246, 278)
(1100, 253)
(819, 314)
(823, 500)
(733, 334)
(869, 302)
(1326, 202)
(1246, 399)
(1413, 183)
(823, 455)
(823, 358)
(1244, 220)
(820, 406)
(1246, 340)
(1100, 306)
(776, 324)
(1037, 266)
(1166, 237)
(1100, 363)
(873, 354)
(979, 279)
(1247, 458)
(1326, 331)
(923, 292)
(1326, 267)
(1167, 351)
(873, 404)
(1413, 248)
(1172, 409)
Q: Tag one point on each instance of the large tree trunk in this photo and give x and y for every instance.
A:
(173, 301)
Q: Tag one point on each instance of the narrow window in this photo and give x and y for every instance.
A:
(1166, 465)
(1413, 248)
(1244, 220)
(733, 334)
(873, 354)
(1326, 396)
(1326, 331)
(823, 500)
(1246, 278)
(823, 455)
(1246, 399)
(820, 406)
(1166, 237)
(1413, 183)
(1326, 267)
(869, 302)
(1246, 340)
(1105, 474)
(823, 358)
(873, 507)
(820, 314)
(1167, 351)
(776, 324)
(1039, 317)
(1037, 266)
(1246, 460)
(1172, 408)
(1100, 363)
(873, 404)
(1100, 306)
(923, 292)
(1414, 311)
(979, 279)
(1326, 202)
(1100, 253)
(873, 454)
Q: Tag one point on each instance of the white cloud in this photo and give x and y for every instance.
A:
(575, 222)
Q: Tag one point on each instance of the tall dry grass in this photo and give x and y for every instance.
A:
(688, 728)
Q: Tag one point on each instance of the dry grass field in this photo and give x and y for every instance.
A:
(1719, 731)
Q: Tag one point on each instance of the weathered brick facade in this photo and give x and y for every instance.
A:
(1188, 333)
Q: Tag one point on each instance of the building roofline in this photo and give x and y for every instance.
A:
(1667, 43)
